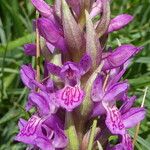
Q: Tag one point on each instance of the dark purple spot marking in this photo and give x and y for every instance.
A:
(127, 141)
(71, 95)
(115, 118)
(31, 126)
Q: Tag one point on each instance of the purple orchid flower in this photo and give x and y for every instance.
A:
(72, 94)
(85, 83)
(119, 56)
(117, 120)
(44, 101)
(42, 133)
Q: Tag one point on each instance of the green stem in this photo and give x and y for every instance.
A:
(71, 133)
(92, 135)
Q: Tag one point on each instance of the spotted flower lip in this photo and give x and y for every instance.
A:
(36, 132)
(72, 94)
(117, 120)
(70, 97)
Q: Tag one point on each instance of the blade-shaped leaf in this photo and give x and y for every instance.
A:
(72, 33)
(105, 19)
(92, 43)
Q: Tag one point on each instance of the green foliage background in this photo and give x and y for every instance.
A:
(16, 29)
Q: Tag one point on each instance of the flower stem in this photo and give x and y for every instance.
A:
(138, 126)
(37, 52)
(92, 135)
(71, 133)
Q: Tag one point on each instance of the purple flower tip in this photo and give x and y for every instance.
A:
(119, 22)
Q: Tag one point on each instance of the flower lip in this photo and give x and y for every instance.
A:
(70, 97)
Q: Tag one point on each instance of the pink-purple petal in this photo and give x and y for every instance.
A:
(27, 75)
(53, 69)
(120, 55)
(119, 22)
(42, 7)
(133, 117)
(44, 144)
(97, 92)
(85, 63)
(96, 8)
(127, 104)
(40, 102)
(51, 33)
(114, 120)
(60, 140)
(30, 131)
(30, 49)
(116, 91)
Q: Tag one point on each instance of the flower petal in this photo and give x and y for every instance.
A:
(22, 123)
(116, 77)
(97, 91)
(44, 102)
(50, 47)
(127, 142)
(30, 131)
(120, 55)
(53, 69)
(51, 33)
(127, 104)
(85, 63)
(44, 9)
(44, 144)
(133, 117)
(27, 74)
(40, 102)
(119, 22)
(116, 91)
(98, 110)
(60, 140)
(30, 49)
(96, 8)
(70, 97)
(113, 120)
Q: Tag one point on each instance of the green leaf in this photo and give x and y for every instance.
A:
(72, 33)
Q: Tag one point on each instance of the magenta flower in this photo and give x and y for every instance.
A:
(43, 133)
(80, 81)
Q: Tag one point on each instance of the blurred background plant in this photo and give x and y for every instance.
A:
(16, 29)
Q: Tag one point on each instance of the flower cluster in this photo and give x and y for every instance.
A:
(81, 78)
